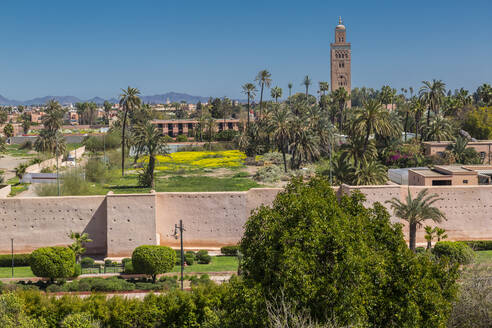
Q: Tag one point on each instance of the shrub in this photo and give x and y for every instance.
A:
(26, 145)
(189, 258)
(202, 257)
(226, 135)
(79, 320)
(87, 262)
(19, 260)
(77, 270)
(96, 171)
(229, 250)
(271, 173)
(181, 138)
(153, 259)
(99, 143)
(128, 267)
(53, 262)
(480, 245)
(420, 249)
(456, 251)
(126, 260)
(108, 263)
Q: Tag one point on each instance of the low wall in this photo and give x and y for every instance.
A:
(119, 223)
(36, 168)
(5, 190)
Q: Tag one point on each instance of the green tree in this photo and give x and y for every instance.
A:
(79, 320)
(26, 122)
(340, 97)
(289, 86)
(417, 210)
(432, 93)
(4, 116)
(53, 262)
(79, 240)
(280, 126)
(264, 79)
(129, 101)
(152, 142)
(339, 260)
(13, 314)
(50, 139)
(478, 122)
(324, 87)
(439, 129)
(304, 144)
(370, 173)
(484, 94)
(276, 93)
(249, 90)
(387, 95)
(306, 82)
(153, 260)
(8, 130)
(430, 234)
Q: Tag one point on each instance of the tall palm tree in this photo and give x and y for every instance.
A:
(372, 118)
(289, 85)
(386, 95)
(249, 89)
(306, 82)
(129, 101)
(432, 93)
(280, 127)
(340, 97)
(210, 126)
(264, 79)
(79, 239)
(417, 107)
(324, 87)
(484, 94)
(417, 210)
(276, 93)
(304, 144)
(53, 117)
(150, 140)
(439, 129)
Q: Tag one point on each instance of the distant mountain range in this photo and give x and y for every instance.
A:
(66, 100)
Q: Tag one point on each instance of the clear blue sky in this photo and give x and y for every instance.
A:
(210, 48)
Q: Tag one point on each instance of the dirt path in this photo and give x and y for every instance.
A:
(9, 163)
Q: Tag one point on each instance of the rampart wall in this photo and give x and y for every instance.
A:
(119, 223)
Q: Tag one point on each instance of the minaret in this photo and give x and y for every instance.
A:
(340, 60)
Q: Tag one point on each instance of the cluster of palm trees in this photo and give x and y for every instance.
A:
(50, 137)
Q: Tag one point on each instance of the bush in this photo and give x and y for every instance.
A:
(128, 267)
(126, 260)
(108, 263)
(226, 135)
(79, 320)
(189, 258)
(96, 170)
(87, 262)
(77, 270)
(420, 249)
(202, 257)
(271, 173)
(53, 262)
(480, 245)
(73, 183)
(99, 143)
(181, 138)
(19, 260)
(153, 259)
(456, 251)
(229, 250)
(26, 145)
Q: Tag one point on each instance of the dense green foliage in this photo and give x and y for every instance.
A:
(229, 250)
(341, 260)
(53, 262)
(456, 251)
(202, 257)
(480, 245)
(19, 260)
(153, 260)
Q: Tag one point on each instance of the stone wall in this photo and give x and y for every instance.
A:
(119, 223)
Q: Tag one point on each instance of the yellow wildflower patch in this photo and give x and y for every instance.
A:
(198, 159)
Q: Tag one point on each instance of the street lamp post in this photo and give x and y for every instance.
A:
(12, 249)
(181, 229)
(57, 172)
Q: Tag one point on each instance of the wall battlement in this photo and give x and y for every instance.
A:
(119, 223)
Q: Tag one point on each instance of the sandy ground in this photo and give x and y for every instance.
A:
(9, 163)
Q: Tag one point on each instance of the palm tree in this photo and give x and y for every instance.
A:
(417, 210)
(290, 88)
(417, 106)
(372, 118)
(429, 235)
(439, 129)
(304, 144)
(386, 95)
(129, 101)
(432, 93)
(370, 173)
(440, 233)
(324, 87)
(79, 239)
(276, 93)
(280, 126)
(53, 117)
(152, 143)
(264, 79)
(484, 94)
(306, 82)
(340, 97)
(249, 90)
(210, 129)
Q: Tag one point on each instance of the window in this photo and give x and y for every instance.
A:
(465, 181)
(441, 182)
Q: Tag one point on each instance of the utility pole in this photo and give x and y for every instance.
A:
(181, 229)
(12, 249)
(57, 172)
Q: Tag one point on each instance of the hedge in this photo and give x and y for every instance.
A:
(480, 245)
(202, 257)
(19, 260)
(53, 262)
(153, 259)
(229, 250)
(456, 251)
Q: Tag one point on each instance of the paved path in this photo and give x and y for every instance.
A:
(9, 163)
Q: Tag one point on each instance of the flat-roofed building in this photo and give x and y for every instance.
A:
(446, 175)
(483, 148)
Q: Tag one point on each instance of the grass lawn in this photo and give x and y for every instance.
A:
(15, 151)
(19, 272)
(218, 264)
(484, 257)
(16, 187)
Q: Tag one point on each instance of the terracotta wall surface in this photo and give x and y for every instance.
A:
(119, 223)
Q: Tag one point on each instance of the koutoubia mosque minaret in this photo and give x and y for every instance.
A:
(340, 60)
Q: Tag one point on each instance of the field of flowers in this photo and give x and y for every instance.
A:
(191, 160)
